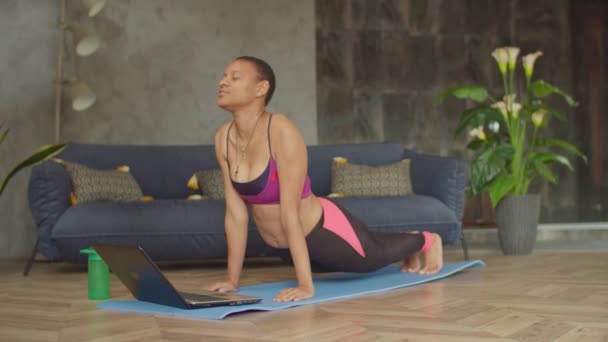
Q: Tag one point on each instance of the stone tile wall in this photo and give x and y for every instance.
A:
(381, 64)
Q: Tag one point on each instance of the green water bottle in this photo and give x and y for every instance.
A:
(98, 274)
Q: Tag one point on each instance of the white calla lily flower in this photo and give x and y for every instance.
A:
(512, 53)
(501, 57)
(516, 107)
(502, 107)
(509, 100)
(538, 117)
(478, 133)
(528, 62)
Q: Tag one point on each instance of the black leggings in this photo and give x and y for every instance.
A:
(340, 242)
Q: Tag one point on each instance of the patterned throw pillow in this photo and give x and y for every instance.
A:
(101, 185)
(209, 182)
(365, 180)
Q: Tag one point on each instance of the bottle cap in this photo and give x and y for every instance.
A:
(91, 253)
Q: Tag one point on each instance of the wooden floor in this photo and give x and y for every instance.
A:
(549, 296)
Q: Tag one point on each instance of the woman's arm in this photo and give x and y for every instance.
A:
(292, 165)
(236, 218)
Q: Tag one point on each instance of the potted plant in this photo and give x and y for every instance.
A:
(38, 156)
(510, 151)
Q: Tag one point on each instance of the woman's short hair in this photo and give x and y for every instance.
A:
(265, 73)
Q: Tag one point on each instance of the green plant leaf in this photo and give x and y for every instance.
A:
(545, 171)
(38, 156)
(488, 165)
(481, 145)
(527, 111)
(3, 135)
(469, 192)
(541, 89)
(475, 144)
(548, 157)
(499, 187)
(561, 144)
(478, 116)
(477, 94)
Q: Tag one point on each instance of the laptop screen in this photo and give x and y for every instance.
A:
(139, 274)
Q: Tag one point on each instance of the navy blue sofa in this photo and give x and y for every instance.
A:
(173, 228)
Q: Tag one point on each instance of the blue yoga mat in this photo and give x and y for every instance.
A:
(327, 288)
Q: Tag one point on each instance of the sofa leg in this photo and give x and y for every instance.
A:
(28, 266)
(465, 247)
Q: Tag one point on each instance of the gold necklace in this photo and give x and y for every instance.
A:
(236, 173)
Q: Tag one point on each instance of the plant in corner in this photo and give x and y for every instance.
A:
(38, 156)
(509, 150)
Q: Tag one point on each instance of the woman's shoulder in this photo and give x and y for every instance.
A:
(283, 122)
(221, 131)
(284, 131)
(220, 139)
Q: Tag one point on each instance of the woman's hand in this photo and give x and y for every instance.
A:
(295, 294)
(223, 287)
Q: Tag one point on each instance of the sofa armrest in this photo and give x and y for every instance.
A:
(439, 177)
(49, 190)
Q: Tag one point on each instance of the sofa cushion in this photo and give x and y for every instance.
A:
(320, 158)
(404, 213)
(160, 217)
(101, 185)
(351, 179)
(197, 227)
(161, 171)
(211, 183)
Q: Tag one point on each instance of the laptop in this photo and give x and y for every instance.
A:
(143, 278)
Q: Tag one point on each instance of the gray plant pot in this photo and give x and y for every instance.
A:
(517, 220)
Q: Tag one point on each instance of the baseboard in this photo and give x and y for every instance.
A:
(573, 226)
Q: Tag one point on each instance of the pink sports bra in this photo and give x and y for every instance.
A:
(265, 188)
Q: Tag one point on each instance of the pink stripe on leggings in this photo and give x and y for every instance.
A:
(335, 221)
(428, 242)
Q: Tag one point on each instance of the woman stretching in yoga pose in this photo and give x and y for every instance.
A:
(263, 160)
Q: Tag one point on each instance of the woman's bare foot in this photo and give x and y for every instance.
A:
(433, 258)
(411, 263)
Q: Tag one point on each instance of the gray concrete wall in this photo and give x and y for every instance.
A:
(27, 69)
(156, 74)
(155, 77)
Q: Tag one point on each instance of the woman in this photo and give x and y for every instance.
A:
(263, 160)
